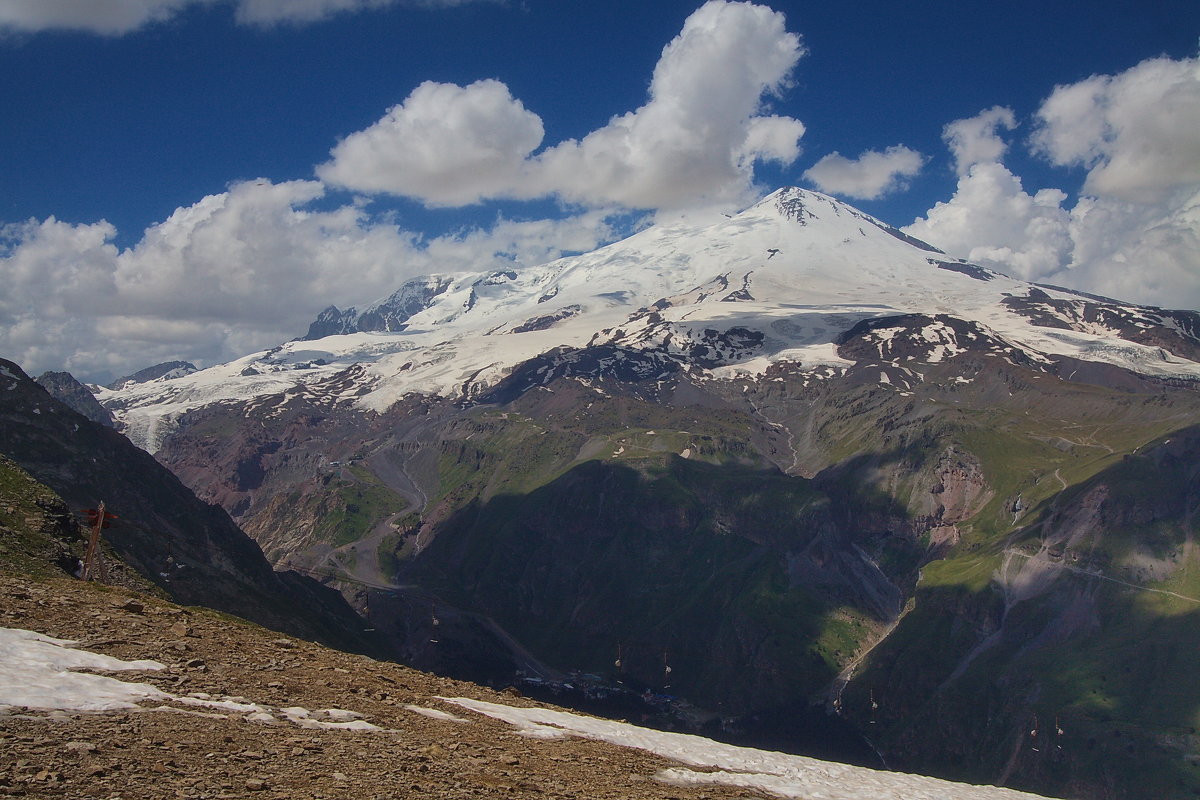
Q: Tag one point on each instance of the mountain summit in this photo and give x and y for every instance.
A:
(789, 280)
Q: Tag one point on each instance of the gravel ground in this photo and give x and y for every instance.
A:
(207, 753)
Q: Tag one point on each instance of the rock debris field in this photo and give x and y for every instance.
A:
(221, 708)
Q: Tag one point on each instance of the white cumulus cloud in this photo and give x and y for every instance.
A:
(235, 272)
(1148, 253)
(1134, 232)
(446, 144)
(976, 139)
(1138, 133)
(694, 142)
(992, 220)
(871, 175)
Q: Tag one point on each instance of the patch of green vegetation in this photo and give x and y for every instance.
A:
(37, 535)
(508, 452)
(972, 572)
(1035, 455)
(355, 505)
(399, 545)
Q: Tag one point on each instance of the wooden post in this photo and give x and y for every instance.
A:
(93, 564)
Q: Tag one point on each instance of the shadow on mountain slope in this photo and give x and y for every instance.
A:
(1087, 621)
(731, 586)
(192, 550)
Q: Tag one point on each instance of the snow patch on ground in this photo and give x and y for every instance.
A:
(328, 719)
(778, 773)
(38, 672)
(434, 713)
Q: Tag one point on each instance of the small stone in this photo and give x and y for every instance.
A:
(255, 784)
(340, 776)
(130, 605)
(80, 747)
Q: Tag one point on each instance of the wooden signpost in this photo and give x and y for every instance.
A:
(93, 563)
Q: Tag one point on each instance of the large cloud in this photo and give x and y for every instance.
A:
(446, 144)
(1135, 231)
(116, 17)
(694, 142)
(976, 140)
(235, 272)
(1138, 133)
(1149, 253)
(871, 175)
(992, 220)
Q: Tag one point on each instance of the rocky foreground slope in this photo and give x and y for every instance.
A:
(239, 711)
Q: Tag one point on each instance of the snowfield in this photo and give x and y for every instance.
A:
(798, 267)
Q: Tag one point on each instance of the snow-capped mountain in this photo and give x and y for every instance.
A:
(814, 476)
(786, 280)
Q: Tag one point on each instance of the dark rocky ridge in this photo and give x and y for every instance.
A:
(163, 370)
(190, 549)
(76, 396)
(389, 315)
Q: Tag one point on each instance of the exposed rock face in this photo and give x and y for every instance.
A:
(1176, 332)
(390, 314)
(37, 531)
(165, 370)
(76, 396)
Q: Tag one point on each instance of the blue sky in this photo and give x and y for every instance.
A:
(123, 116)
